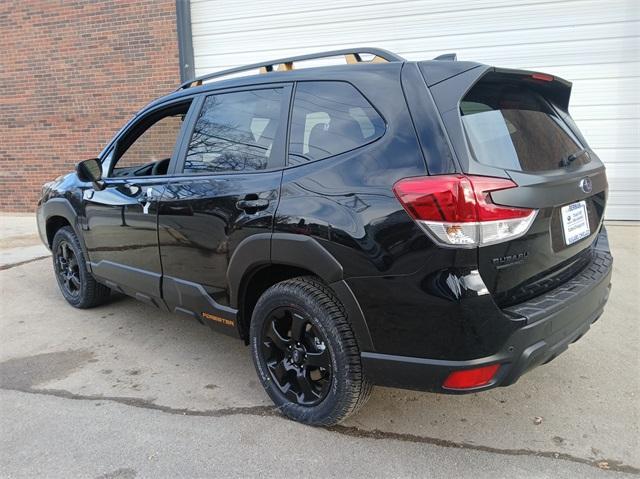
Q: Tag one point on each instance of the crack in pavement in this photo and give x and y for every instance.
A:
(20, 263)
(146, 404)
(351, 431)
(611, 464)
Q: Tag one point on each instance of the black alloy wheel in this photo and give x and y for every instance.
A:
(305, 352)
(296, 356)
(77, 284)
(68, 269)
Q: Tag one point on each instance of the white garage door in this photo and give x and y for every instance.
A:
(595, 44)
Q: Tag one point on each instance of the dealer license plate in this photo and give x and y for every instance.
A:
(575, 222)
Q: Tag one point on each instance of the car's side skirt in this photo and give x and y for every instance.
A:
(192, 299)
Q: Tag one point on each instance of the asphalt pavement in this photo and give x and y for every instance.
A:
(124, 391)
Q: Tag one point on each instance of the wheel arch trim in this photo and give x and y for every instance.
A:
(63, 208)
(287, 249)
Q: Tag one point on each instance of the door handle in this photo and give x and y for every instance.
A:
(252, 205)
(177, 210)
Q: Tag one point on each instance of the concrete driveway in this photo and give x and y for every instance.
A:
(125, 391)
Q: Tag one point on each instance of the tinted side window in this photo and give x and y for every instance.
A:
(146, 148)
(235, 132)
(330, 118)
(156, 143)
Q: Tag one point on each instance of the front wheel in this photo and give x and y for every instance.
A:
(77, 285)
(306, 354)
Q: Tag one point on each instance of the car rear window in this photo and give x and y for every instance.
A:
(510, 126)
(330, 118)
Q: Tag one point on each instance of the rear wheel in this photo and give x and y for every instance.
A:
(77, 285)
(305, 353)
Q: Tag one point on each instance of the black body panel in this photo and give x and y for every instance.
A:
(553, 321)
(200, 226)
(346, 203)
(121, 235)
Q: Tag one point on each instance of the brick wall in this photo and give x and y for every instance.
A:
(71, 73)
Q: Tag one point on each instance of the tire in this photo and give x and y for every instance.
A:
(76, 283)
(327, 358)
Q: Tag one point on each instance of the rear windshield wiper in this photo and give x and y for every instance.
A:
(573, 156)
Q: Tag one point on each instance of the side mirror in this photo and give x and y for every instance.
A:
(91, 170)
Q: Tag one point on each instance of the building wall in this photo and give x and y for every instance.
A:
(593, 43)
(71, 74)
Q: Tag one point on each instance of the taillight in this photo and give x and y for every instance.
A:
(457, 210)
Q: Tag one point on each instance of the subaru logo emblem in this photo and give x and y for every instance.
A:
(586, 185)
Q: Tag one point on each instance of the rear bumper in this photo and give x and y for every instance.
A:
(553, 321)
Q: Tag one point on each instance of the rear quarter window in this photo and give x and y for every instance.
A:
(330, 118)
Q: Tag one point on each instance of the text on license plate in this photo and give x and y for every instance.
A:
(575, 222)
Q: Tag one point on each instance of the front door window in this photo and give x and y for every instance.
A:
(147, 148)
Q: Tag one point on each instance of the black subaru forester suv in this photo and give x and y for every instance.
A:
(432, 225)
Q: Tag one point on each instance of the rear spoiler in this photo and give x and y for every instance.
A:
(553, 88)
(459, 77)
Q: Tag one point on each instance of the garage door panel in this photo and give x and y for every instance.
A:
(623, 205)
(587, 71)
(605, 112)
(617, 91)
(229, 50)
(234, 52)
(629, 157)
(568, 53)
(205, 10)
(511, 56)
(630, 198)
(623, 177)
(610, 133)
(622, 212)
(594, 44)
(401, 19)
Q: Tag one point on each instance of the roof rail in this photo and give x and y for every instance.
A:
(351, 55)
